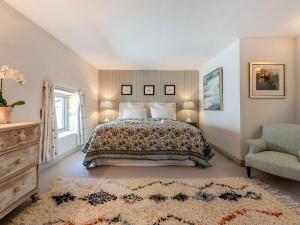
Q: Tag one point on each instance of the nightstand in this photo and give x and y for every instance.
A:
(195, 124)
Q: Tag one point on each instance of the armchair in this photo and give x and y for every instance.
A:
(276, 152)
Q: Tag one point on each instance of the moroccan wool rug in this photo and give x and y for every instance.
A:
(226, 201)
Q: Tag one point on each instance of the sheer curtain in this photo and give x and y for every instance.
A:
(48, 124)
(82, 120)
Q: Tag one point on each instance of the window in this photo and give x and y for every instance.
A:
(66, 106)
(61, 106)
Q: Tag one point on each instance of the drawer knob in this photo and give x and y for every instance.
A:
(17, 189)
(19, 161)
(2, 145)
(22, 136)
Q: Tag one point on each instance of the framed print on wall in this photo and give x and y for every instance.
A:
(149, 90)
(169, 89)
(267, 80)
(126, 89)
(213, 90)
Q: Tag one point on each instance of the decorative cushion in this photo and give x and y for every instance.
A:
(134, 113)
(170, 105)
(277, 163)
(135, 105)
(257, 145)
(163, 111)
(164, 104)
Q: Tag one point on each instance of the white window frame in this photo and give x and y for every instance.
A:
(65, 111)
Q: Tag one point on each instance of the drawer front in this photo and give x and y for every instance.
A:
(14, 189)
(17, 160)
(15, 138)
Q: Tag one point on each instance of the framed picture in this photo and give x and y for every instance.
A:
(148, 89)
(126, 89)
(267, 80)
(169, 89)
(213, 90)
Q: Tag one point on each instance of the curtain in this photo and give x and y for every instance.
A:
(48, 124)
(82, 120)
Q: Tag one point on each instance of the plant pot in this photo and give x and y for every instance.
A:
(5, 114)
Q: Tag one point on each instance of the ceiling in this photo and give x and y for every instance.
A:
(158, 34)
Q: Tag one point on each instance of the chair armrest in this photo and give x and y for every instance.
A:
(257, 145)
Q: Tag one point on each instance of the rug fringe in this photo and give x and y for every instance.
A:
(284, 199)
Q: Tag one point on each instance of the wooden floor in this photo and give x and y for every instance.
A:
(71, 167)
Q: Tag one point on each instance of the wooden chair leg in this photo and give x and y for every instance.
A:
(249, 172)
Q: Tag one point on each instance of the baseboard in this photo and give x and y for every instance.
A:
(228, 155)
(47, 165)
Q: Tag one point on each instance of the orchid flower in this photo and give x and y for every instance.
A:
(5, 74)
(8, 73)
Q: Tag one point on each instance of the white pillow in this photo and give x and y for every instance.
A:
(135, 104)
(129, 105)
(164, 104)
(134, 113)
(163, 113)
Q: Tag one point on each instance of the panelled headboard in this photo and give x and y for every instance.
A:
(147, 105)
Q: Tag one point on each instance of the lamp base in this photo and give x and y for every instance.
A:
(106, 120)
(188, 120)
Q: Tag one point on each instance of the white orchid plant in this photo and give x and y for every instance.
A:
(5, 74)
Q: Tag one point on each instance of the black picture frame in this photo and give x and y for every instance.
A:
(166, 89)
(126, 85)
(149, 86)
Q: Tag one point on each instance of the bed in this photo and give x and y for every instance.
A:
(147, 140)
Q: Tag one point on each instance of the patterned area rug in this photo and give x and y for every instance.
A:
(226, 201)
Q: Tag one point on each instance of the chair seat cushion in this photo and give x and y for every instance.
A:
(277, 163)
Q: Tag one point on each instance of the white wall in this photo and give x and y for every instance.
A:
(39, 56)
(243, 117)
(222, 128)
(66, 141)
(255, 112)
(298, 76)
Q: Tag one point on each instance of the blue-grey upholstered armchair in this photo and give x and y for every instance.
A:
(276, 152)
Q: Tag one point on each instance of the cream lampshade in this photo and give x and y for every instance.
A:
(106, 105)
(188, 106)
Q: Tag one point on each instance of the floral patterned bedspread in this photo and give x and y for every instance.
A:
(155, 139)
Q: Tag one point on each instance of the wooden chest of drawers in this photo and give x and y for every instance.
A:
(19, 158)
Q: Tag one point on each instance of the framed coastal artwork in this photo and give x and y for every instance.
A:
(213, 90)
(267, 80)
